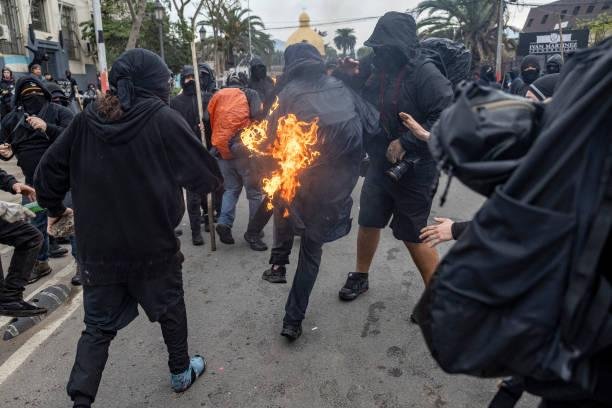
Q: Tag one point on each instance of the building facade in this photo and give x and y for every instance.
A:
(547, 17)
(57, 31)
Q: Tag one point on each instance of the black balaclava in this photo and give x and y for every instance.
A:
(188, 87)
(259, 72)
(544, 87)
(139, 73)
(530, 75)
(554, 64)
(389, 59)
(33, 103)
(394, 41)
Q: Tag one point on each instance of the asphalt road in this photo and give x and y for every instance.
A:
(361, 354)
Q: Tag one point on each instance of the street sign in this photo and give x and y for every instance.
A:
(550, 42)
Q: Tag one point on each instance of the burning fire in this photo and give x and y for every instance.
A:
(293, 149)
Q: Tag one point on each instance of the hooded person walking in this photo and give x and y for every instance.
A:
(530, 71)
(125, 159)
(320, 212)
(7, 88)
(261, 82)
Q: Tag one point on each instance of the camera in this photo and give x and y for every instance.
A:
(398, 170)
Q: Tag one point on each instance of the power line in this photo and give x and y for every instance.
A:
(329, 22)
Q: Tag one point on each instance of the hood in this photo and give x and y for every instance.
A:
(530, 60)
(55, 90)
(302, 58)
(23, 81)
(544, 87)
(205, 68)
(397, 30)
(139, 73)
(256, 61)
(185, 71)
(133, 123)
(9, 70)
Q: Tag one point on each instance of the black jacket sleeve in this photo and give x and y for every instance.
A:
(434, 93)
(7, 181)
(458, 228)
(52, 177)
(61, 121)
(194, 168)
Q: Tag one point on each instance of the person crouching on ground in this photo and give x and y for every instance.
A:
(125, 160)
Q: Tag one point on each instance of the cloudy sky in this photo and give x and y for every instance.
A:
(282, 13)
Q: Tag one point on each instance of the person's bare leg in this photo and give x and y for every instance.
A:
(367, 243)
(425, 258)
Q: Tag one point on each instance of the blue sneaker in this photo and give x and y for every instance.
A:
(181, 382)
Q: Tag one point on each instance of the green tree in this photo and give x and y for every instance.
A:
(345, 40)
(364, 52)
(599, 28)
(330, 53)
(473, 22)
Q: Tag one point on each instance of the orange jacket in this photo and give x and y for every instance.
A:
(229, 113)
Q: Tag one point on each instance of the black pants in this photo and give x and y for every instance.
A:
(304, 280)
(260, 218)
(196, 206)
(282, 239)
(26, 240)
(112, 307)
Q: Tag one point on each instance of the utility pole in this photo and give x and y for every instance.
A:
(500, 32)
(250, 40)
(102, 68)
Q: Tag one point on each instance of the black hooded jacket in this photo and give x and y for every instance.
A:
(262, 83)
(521, 84)
(186, 103)
(322, 207)
(28, 144)
(126, 177)
(418, 88)
(7, 88)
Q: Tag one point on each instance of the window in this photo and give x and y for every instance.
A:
(590, 8)
(563, 14)
(37, 10)
(10, 43)
(576, 10)
(70, 32)
(530, 22)
(544, 19)
(605, 7)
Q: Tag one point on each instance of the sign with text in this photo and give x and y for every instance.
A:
(552, 43)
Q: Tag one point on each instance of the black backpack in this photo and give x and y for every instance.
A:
(482, 138)
(524, 292)
(451, 58)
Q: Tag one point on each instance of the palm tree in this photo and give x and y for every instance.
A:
(345, 40)
(233, 22)
(474, 22)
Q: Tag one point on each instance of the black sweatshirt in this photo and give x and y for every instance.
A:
(28, 144)
(126, 178)
(7, 181)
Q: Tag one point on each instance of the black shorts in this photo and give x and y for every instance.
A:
(407, 200)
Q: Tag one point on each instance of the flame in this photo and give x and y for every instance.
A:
(293, 150)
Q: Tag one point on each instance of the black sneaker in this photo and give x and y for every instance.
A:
(356, 284)
(197, 239)
(291, 331)
(76, 279)
(275, 275)
(255, 242)
(225, 234)
(41, 269)
(63, 240)
(20, 308)
(57, 252)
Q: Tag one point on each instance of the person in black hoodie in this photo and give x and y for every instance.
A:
(125, 159)
(530, 71)
(187, 105)
(7, 88)
(27, 132)
(321, 210)
(261, 82)
(403, 81)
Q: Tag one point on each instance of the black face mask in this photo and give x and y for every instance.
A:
(205, 81)
(189, 88)
(553, 68)
(259, 72)
(530, 76)
(33, 104)
(389, 59)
